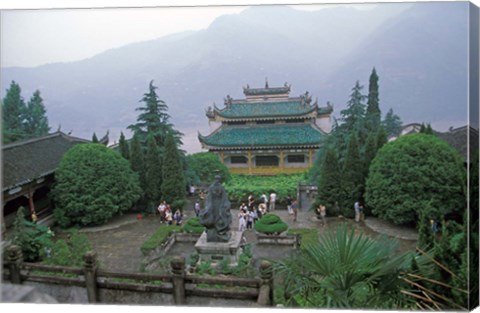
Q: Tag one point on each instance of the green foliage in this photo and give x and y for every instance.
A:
(159, 237)
(411, 172)
(153, 174)
(330, 184)
(203, 166)
(93, 184)
(392, 123)
(94, 138)
(137, 160)
(270, 224)
(30, 237)
(308, 236)
(353, 116)
(13, 113)
(345, 270)
(193, 226)
(240, 186)
(373, 114)
(123, 146)
(36, 122)
(173, 183)
(68, 252)
(352, 178)
(153, 119)
(205, 268)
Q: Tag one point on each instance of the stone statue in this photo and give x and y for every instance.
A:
(216, 216)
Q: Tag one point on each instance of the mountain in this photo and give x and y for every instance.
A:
(419, 51)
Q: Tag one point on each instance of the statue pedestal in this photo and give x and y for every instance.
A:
(218, 251)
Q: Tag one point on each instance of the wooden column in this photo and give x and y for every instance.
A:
(310, 157)
(249, 158)
(282, 165)
(222, 156)
(14, 260)
(31, 205)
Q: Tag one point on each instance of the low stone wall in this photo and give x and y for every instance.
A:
(289, 240)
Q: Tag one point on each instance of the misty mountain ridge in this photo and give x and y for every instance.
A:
(419, 51)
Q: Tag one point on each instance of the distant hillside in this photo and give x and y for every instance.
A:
(419, 51)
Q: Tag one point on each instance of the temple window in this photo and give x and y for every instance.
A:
(238, 160)
(266, 160)
(296, 158)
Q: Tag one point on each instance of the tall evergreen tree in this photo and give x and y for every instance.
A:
(353, 116)
(373, 115)
(370, 152)
(137, 161)
(392, 123)
(153, 174)
(381, 137)
(94, 138)
(352, 178)
(36, 121)
(13, 114)
(153, 118)
(329, 185)
(173, 183)
(123, 146)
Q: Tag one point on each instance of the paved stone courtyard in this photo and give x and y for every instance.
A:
(118, 242)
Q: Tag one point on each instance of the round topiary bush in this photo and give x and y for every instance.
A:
(270, 224)
(193, 226)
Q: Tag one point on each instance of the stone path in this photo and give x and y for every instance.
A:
(118, 242)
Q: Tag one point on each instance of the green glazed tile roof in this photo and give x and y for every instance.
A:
(264, 136)
(266, 91)
(266, 109)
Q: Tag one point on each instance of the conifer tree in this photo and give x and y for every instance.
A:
(36, 122)
(173, 183)
(352, 178)
(94, 138)
(137, 160)
(381, 138)
(329, 186)
(353, 116)
(370, 151)
(153, 119)
(123, 146)
(13, 114)
(392, 123)
(373, 115)
(153, 174)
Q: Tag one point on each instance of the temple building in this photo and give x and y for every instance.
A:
(268, 132)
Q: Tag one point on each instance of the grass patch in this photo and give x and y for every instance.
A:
(159, 237)
(308, 236)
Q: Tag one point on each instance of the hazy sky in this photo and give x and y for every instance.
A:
(32, 37)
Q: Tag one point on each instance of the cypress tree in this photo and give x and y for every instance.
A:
(94, 138)
(373, 115)
(353, 179)
(137, 160)
(13, 114)
(329, 185)
(123, 146)
(370, 152)
(173, 183)
(153, 174)
(36, 122)
(381, 138)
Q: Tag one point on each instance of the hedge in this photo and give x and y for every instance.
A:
(193, 226)
(159, 237)
(270, 224)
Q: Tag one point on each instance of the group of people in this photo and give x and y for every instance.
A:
(167, 216)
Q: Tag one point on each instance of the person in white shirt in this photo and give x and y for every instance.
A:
(273, 198)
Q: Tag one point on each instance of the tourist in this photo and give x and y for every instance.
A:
(196, 208)
(249, 217)
(356, 207)
(323, 214)
(434, 226)
(295, 210)
(289, 205)
(177, 217)
(168, 215)
(273, 198)
(244, 207)
(161, 210)
(255, 215)
(263, 199)
(362, 213)
(242, 223)
(192, 190)
(262, 208)
(251, 201)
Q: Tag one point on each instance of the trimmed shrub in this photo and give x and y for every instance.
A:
(270, 224)
(193, 226)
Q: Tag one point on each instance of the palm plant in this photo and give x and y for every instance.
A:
(346, 270)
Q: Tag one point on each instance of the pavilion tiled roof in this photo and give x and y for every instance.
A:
(277, 109)
(25, 161)
(263, 136)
